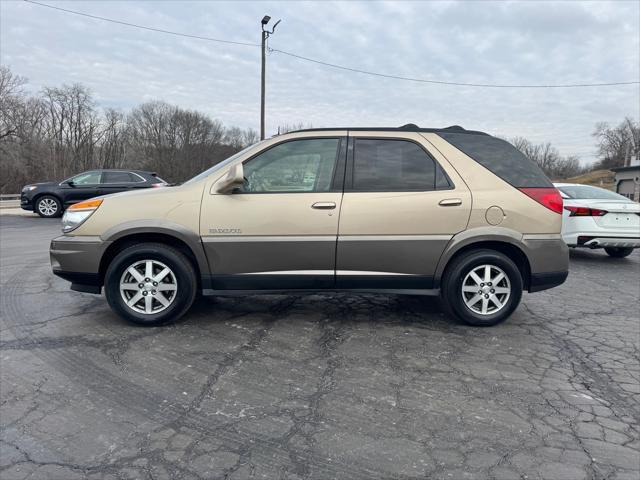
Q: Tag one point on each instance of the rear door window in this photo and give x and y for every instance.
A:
(501, 158)
(391, 165)
(119, 177)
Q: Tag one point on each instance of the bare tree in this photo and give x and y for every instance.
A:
(568, 167)
(548, 158)
(179, 143)
(616, 145)
(112, 152)
(73, 128)
(285, 127)
(61, 131)
(11, 97)
(249, 137)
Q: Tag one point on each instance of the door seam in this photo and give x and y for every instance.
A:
(344, 178)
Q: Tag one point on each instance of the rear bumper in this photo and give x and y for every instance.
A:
(544, 281)
(589, 241)
(77, 260)
(548, 257)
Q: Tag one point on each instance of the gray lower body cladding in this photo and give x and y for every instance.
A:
(546, 255)
(77, 259)
(380, 254)
(395, 264)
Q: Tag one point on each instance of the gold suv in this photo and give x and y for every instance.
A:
(408, 210)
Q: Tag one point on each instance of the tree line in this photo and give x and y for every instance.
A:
(615, 146)
(61, 131)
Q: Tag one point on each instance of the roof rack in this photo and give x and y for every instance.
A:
(409, 127)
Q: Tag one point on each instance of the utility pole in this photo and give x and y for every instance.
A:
(265, 36)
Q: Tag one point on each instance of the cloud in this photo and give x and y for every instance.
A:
(486, 42)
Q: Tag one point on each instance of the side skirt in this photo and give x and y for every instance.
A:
(318, 281)
(305, 291)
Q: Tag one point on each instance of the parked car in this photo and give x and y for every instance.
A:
(390, 210)
(597, 218)
(50, 199)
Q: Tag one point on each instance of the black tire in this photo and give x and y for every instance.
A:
(618, 252)
(182, 271)
(455, 274)
(48, 206)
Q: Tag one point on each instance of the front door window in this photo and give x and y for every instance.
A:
(290, 167)
(87, 178)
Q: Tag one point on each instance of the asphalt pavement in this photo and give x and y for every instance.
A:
(319, 386)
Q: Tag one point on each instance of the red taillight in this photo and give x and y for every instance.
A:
(548, 197)
(585, 212)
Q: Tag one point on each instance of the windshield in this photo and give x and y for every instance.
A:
(588, 192)
(223, 163)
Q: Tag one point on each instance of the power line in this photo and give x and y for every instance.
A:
(179, 34)
(439, 82)
(331, 65)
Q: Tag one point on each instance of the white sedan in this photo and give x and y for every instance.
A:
(597, 218)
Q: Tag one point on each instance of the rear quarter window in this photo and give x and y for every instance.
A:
(501, 158)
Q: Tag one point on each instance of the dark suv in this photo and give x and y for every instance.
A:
(50, 199)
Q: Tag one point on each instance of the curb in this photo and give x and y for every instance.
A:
(17, 212)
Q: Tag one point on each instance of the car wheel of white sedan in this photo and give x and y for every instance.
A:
(617, 252)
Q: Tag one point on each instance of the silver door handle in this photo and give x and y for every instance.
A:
(450, 202)
(324, 205)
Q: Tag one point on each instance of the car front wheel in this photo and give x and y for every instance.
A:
(618, 252)
(150, 284)
(48, 206)
(482, 287)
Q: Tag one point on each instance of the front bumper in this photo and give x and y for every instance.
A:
(77, 260)
(26, 203)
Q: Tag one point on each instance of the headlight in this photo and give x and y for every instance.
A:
(28, 188)
(78, 213)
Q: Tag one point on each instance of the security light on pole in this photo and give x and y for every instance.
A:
(265, 35)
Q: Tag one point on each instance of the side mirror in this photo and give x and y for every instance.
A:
(234, 179)
(70, 183)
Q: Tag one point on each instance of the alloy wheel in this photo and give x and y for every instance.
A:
(486, 289)
(47, 207)
(148, 287)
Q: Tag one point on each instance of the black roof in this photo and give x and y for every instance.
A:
(409, 127)
(148, 172)
(628, 168)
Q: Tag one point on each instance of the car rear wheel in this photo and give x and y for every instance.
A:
(48, 206)
(482, 287)
(150, 284)
(618, 252)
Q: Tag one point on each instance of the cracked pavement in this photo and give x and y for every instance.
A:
(316, 387)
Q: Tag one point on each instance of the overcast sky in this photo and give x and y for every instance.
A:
(530, 42)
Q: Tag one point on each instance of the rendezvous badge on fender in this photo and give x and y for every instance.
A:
(224, 230)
